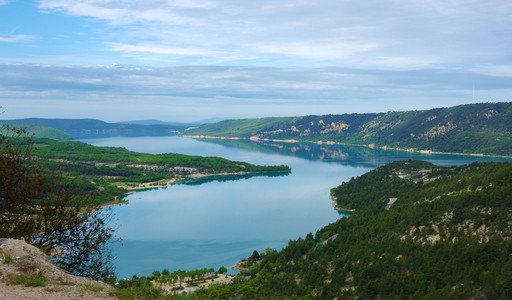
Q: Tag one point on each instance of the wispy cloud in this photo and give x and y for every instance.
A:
(250, 58)
(326, 49)
(498, 70)
(158, 49)
(226, 86)
(404, 62)
(364, 34)
(122, 12)
(14, 38)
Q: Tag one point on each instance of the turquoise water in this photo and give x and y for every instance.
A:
(213, 224)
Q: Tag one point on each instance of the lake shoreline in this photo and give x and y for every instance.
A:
(219, 223)
(319, 142)
(119, 199)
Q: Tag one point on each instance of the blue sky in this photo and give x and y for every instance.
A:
(186, 60)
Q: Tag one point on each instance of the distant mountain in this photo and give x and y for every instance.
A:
(89, 128)
(210, 120)
(38, 131)
(182, 124)
(144, 122)
(474, 128)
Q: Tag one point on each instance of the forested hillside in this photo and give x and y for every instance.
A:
(110, 171)
(38, 131)
(51, 192)
(418, 232)
(475, 128)
(88, 128)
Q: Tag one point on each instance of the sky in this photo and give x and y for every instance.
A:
(189, 60)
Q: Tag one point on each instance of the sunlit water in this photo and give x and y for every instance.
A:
(218, 223)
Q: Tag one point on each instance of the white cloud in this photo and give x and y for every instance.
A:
(236, 91)
(318, 49)
(14, 38)
(330, 53)
(297, 85)
(394, 33)
(195, 4)
(404, 62)
(119, 12)
(360, 34)
(158, 49)
(505, 70)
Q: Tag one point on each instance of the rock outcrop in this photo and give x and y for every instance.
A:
(27, 273)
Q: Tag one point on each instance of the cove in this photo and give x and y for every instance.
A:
(218, 222)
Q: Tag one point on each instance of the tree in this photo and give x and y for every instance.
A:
(222, 270)
(254, 257)
(181, 275)
(17, 187)
(36, 205)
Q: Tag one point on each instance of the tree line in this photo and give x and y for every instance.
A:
(447, 236)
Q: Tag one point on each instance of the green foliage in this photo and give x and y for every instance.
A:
(31, 279)
(94, 288)
(447, 236)
(138, 288)
(78, 151)
(150, 287)
(475, 128)
(254, 257)
(378, 185)
(102, 171)
(240, 128)
(8, 259)
(38, 131)
(41, 209)
(156, 274)
(91, 127)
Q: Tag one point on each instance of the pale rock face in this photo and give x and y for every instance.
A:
(29, 261)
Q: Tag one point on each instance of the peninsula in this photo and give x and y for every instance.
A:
(112, 172)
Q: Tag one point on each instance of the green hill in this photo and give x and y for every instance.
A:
(91, 128)
(475, 128)
(38, 131)
(109, 172)
(418, 232)
(242, 128)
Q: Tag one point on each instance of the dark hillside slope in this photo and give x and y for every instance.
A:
(475, 128)
(84, 128)
(447, 236)
(242, 127)
(37, 131)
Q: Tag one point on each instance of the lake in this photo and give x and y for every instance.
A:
(219, 221)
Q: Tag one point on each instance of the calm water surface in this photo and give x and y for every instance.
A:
(213, 224)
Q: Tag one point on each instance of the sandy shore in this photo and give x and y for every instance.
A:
(344, 209)
(189, 285)
(149, 185)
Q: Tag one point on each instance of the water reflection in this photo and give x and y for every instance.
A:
(356, 156)
(217, 220)
(224, 178)
(343, 213)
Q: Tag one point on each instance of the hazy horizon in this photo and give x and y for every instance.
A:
(189, 122)
(188, 60)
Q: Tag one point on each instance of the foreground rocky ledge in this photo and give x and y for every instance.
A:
(26, 273)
